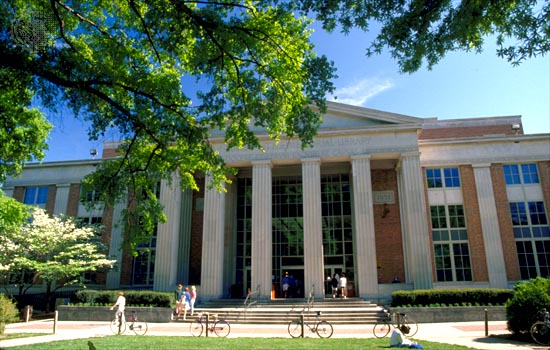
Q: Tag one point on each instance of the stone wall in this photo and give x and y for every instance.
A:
(103, 313)
(453, 314)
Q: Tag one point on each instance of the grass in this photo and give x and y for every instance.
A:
(163, 342)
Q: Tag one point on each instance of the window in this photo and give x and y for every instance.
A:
(532, 234)
(90, 220)
(437, 177)
(516, 174)
(91, 196)
(451, 247)
(143, 265)
(36, 196)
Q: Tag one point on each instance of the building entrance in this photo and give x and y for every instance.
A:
(295, 277)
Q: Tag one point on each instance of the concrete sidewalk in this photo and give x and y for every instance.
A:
(470, 334)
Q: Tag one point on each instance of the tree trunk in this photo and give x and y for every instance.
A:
(48, 295)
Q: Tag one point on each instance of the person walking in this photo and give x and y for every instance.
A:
(120, 304)
(177, 295)
(334, 283)
(185, 302)
(193, 294)
(285, 285)
(343, 286)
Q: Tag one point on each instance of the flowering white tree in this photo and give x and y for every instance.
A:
(55, 250)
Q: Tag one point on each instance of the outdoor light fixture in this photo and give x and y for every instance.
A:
(516, 127)
(93, 153)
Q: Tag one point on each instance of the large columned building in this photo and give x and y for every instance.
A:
(382, 197)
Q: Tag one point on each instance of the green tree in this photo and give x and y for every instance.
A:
(57, 250)
(13, 215)
(23, 130)
(164, 74)
(418, 32)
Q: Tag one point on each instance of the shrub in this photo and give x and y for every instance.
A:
(8, 312)
(529, 298)
(133, 297)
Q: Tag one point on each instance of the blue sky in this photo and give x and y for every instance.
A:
(462, 85)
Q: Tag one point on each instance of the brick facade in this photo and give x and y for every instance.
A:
(473, 222)
(387, 227)
(505, 223)
(468, 131)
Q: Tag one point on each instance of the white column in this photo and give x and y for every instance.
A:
(185, 236)
(166, 258)
(115, 253)
(415, 232)
(366, 280)
(230, 246)
(489, 226)
(313, 230)
(262, 240)
(212, 242)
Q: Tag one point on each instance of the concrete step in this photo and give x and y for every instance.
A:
(342, 311)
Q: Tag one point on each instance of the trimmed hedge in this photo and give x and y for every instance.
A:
(133, 298)
(451, 297)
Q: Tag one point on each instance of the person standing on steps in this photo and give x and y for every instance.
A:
(285, 285)
(178, 294)
(193, 294)
(343, 286)
(334, 283)
(186, 302)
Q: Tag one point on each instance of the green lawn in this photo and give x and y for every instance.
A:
(203, 343)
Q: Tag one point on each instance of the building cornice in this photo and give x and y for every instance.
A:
(485, 139)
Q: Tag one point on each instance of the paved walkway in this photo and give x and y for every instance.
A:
(470, 334)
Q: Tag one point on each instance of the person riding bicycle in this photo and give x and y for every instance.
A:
(120, 304)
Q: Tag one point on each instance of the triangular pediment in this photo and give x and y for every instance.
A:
(343, 116)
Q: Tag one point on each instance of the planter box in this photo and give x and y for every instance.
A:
(102, 313)
(453, 313)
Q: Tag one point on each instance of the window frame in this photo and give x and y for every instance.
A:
(443, 178)
(451, 246)
(516, 174)
(532, 238)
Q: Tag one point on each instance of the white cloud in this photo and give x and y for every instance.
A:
(361, 91)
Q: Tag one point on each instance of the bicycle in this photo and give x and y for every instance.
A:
(219, 326)
(119, 324)
(540, 330)
(405, 324)
(321, 327)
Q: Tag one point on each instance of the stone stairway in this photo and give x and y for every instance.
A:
(282, 311)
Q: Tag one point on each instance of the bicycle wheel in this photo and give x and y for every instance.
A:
(540, 333)
(196, 328)
(117, 326)
(409, 324)
(381, 329)
(222, 328)
(324, 329)
(295, 329)
(139, 327)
